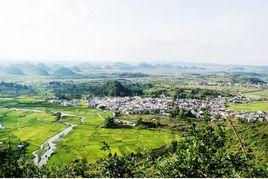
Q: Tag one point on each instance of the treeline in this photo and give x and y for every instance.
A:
(189, 93)
(15, 89)
(198, 93)
(243, 79)
(204, 152)
(109, 88)
(124, 88)
(14, 85)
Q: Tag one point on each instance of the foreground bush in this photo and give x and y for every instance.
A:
(204, 152)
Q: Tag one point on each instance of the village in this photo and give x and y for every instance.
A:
(136, 105)
(163, 105)
(229, 84)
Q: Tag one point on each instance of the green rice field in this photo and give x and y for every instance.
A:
(84, 141)
(254, 106)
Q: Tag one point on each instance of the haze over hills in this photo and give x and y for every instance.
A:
(43, 67)
(124, 69)
(76, 69)
(14, 70)
(64, 72)
(42, 71)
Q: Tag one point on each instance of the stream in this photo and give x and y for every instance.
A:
(50, 144)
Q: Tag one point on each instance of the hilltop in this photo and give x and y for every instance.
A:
(42, 71)
(114, 88)
(13, 70)
(64, 72)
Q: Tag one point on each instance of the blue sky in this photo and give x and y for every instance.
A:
(208, 31)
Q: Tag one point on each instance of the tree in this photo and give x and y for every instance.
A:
(58, 116)
(109, 122)
(218, 116)
(12, 163)
(181, 114)
(139, 121)
(105, 146)
(204, 153)
(157, 121)
(174, 112)
(207, 116)
(114, 166)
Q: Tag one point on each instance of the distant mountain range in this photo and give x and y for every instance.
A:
(138, 70)
(14, 70)
(64, 72)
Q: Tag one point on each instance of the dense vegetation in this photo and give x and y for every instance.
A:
(108, 88)
(187, 93)
(15, 89)
(252, 80)
(198, 93)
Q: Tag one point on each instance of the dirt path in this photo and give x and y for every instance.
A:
(97, 129)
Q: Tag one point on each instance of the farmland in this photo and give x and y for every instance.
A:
(60, 126)
(85, 143)
(24, 126)
(33, 121)
(253, 106)
(261, 93)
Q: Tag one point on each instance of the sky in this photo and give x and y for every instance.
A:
(206, 31)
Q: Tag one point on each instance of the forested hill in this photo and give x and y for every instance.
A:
(108, 88)
(64, 72)
(114, 88)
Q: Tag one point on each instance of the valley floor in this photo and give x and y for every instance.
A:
(34, 122)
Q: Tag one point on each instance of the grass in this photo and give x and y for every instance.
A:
(254, 106)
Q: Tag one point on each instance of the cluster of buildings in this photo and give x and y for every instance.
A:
(229, 84)
(72, 103)
(216, 107)
(130, 105)
(164, 106)
(218, 111)
(197, 106)
(247, 116)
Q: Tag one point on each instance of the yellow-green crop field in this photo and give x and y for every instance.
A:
(259, 93)
(84, 141)
(254, 106)
(33, 128)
